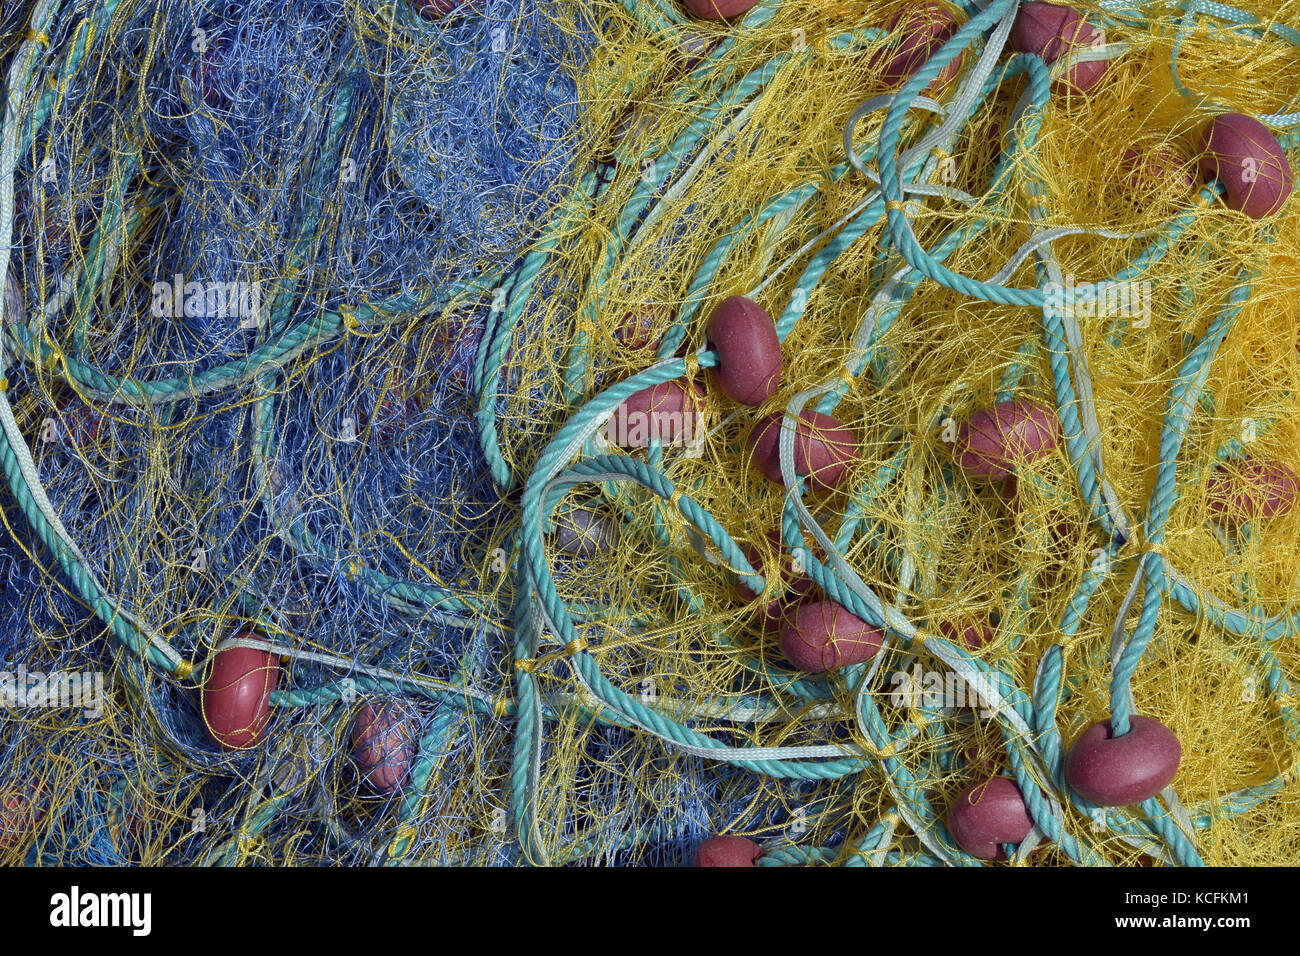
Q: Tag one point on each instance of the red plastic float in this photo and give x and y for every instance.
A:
(994, 440)
(727, 851)
(236, 695)
(926, 30)
(77, 424)
(205, 74)
(1052, 30)
(823, 448)
(1250, 489)
(1055, 518)
(384, 743)
(437, 9)
(749, 352)
(643, 329)
(718, 9)
(59, 222)
(974, 634)
(457, 340)
(1149, 171)
(1241, 153)
(988, 814)
(1120, 771)
(822, 635)
(669, 411)
(129, 810)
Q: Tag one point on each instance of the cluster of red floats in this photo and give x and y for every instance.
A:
(1236, 150)
(744, 338)
(1105, 769)
(818, 635)
(990, 813)
(236, 707)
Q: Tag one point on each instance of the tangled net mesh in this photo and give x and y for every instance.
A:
(456, 246)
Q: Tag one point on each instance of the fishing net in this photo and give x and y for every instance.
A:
(319, 313)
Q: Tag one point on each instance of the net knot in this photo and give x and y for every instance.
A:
(692, 366)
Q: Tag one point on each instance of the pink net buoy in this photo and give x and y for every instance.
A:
(925, 30)
(20, 812)
(749, 352)
(823, 635)
(1051, 31)
(1120, 771)
(206, 74)
(718, 9)
(236, 696)
(823, 448)
(727, 851)
(77, 425)
(1241, 153)
(1153, 171)
(670, 412)
(643, 329)
(973, 633)
(437, 9)
(994, 440)
(988, 814)
(384, 744)
(796, 585)
(1250, 489)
